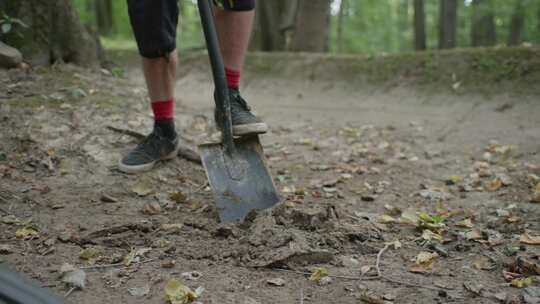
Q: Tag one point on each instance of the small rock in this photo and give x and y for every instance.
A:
(107, 198)
(151, 208)
(368, 198)
(325, 281)
(191, 275)
(6, 249)
(139, 291)
(276, 282)
(9, 57)
(168, 264)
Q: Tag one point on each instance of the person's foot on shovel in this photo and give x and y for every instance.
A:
(154, 25)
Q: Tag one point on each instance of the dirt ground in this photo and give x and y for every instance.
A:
(438, 187)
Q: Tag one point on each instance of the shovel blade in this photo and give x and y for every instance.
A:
(241, 182)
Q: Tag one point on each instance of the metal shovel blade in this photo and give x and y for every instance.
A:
(241, 181)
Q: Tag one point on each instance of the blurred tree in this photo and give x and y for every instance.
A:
(312, 26)
(104, 16)
(403, 24)
(54, 33)
(419, 25)
(340, 24)
(447, 24)
(483, 32)
(516, 24)
(274, 20)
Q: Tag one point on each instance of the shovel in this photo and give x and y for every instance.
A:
(236, 168)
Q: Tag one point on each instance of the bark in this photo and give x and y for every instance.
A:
(54, 33)
(104, 17)
(274, 20)
(312, 26)
(516, 24)
(341, 20)
(447, 24)
(419, 25)
(483, 32)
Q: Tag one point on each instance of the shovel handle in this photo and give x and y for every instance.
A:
(221, 95)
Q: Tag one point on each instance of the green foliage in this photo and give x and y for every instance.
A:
(369, 26)
(8, 24)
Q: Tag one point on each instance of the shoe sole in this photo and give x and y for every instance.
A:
(254, 128)
(147, 167)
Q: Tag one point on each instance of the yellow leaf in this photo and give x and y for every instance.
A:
(26, 232)
(494, 185)
(466, 223)
(178, 197)
(455, 179)
(523, 282)
(178, 293)
(318, 273)
(425, 257)
(526, 238)
(88, 253)
(428, 235)
(385, 219)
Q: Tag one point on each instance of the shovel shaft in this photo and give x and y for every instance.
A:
(221, 96)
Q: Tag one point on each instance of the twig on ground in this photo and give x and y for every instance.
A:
(115, 265)
(301, 295)
(69, 292)
(379, 255)
(331, 275)
(185, 150)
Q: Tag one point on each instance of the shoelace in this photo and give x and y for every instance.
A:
(241, 102)
(152, 141)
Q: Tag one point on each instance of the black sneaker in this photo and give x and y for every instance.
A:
(154, 148)
(243, 121)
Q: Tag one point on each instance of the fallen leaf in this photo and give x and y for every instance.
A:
(172, 228)
(139, 291)
(425, 257)
(142, 188)
(89, 253)
(410, 217)
(371, 298)
(453, 179)
(276, 282)
(474, 234)
(134, 255)
(521, 282)
(466, 223)
(318, 273)
(73, 276)
(178, 197)
(494, 185)
(26, 232)
(526, 238)
(365, 269)
(386, 219)
(429, 235)
(474, 287)
(396, 244)
(10, 219)
(178, 293)
(484, 263)
(152, 208)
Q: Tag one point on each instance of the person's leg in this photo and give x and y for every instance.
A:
(154, 25)
(234, 21)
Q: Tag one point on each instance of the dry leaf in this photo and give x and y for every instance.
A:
(134, 254)
(73, 276)
(474, 234)
(172, 228)
(425, 257)
(178, 293)
(484, 263)
(409, 217)
(365, 269)
(466, 223)
(429, 235)
(396, 244)
(494, 185)
(454, 179)
(521, 282)
(276, 282)
(26, 232)
(526, 238)
(318, 273)
(151, 208)
(178, 197)
(386, 219)
(142, 188)
(88, 253)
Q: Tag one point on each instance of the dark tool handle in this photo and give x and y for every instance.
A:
(221, 96)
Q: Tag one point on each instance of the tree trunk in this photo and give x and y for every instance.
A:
(516, 24)
(312, 25)
(483, 31)
(104, 18)
(54, 33)
(447, 24)
(419, 25)
(403, 24)
(341, 20)
(273, 21)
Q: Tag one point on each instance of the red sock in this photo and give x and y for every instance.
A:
(233, 78)
(163, 110)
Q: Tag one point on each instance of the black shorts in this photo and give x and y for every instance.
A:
(154, 23)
